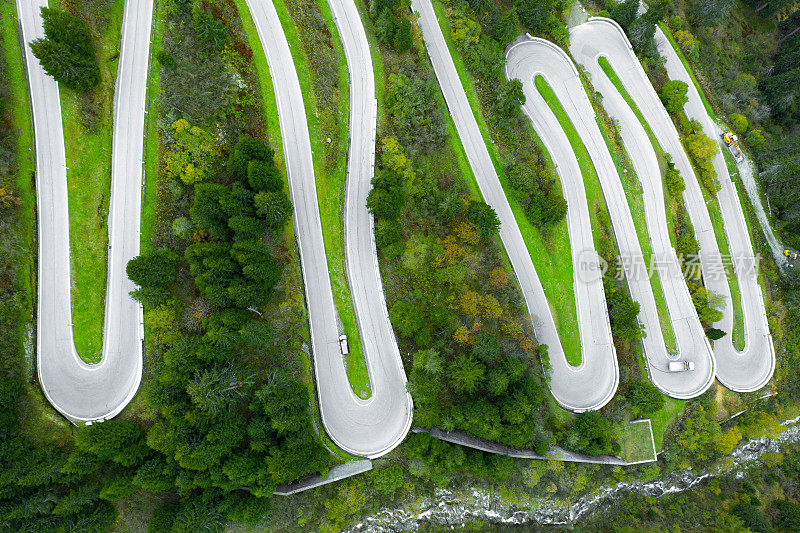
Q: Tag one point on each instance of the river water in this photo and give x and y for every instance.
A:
(455, 508)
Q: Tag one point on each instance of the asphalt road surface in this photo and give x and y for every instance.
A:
(80, 391)
(690, 337)
(526, 60)
(374, 426)
(592, 384)
(752, 368)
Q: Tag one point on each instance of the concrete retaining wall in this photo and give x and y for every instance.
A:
(345, 470)
(555, 453)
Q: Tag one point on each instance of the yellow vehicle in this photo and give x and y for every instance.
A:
(791, 257)
(732, 142)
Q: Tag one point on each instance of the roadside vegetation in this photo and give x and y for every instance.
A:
(527, 174)
(763, 499)
(475, 30)
(701, 151)
(726, 69)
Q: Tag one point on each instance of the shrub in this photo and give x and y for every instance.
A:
(388, 480)
(248, 149)
(274, 207)
(674, 181)
(593, 434)
(702, 151)
(482, 215)
(644, 398)
(264, 176)
(156, 268)
(411, 102)
(508, 99)
(673, 94)
(387, 197)
(755, 138)
(738, 123)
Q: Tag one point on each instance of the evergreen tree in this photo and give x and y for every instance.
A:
(66, 52)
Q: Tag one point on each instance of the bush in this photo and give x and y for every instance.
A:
(248, 149)
(755, 139)
(274, 208)
(644, 398)
(411, 100)
(264, 176)
(508, 99)
(593, 434)
(738, 123)
(387, 196)
(388, 480)
(702, 151)
(67, 52)
(156, 268)
(754, 520)
(623, 312)
(674, 181)
(394, 31)
(788, 515)
(482, 215)
(673, 94)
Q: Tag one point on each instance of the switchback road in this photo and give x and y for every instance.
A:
(593, 383)
(374, 426)
(525, 61)
(80, 391)
(741, 371)
(750, 369)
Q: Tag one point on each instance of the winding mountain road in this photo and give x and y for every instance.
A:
(80, 391)
(371, 427)
(750, 369)
(593, 383)
(526, 60)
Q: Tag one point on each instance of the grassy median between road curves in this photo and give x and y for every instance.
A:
(88, 125)
(550, 250)
(330, 160)
(662, 160)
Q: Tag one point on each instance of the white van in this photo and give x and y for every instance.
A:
(680, 366)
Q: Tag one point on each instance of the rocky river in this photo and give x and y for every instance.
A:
(456, 508)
